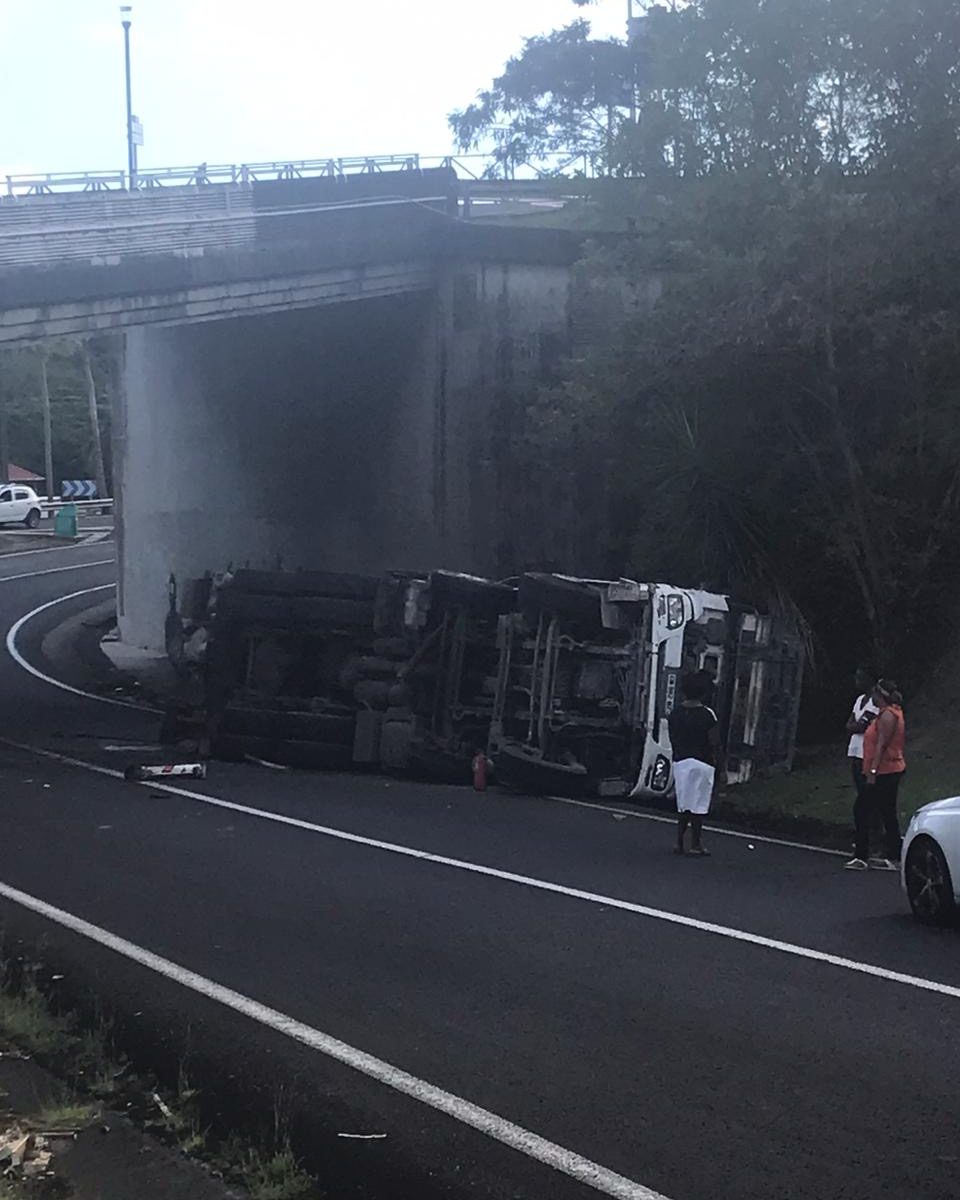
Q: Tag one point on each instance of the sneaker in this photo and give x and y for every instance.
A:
(856, 864)
(884, 864)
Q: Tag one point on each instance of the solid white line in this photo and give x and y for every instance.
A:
(543, 885)
(515, 1136)
(735, 833)
(750, 837)
(41, 550)
(58, 683)
(102, 562)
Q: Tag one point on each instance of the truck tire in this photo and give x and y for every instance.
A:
(372, 693)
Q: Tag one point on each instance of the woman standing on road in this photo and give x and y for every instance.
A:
(883, 768)
(695, 739)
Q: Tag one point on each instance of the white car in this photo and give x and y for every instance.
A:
(930, 864)
(19, 504)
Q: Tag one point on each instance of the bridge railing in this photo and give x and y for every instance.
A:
(477, 167)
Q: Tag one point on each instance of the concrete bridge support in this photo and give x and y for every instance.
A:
(354, 436)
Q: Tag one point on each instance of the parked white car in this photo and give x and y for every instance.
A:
(930, 864)
(20, 505)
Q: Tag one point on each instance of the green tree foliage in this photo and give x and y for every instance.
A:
(72, 438)
(560, 94)
(785, 419)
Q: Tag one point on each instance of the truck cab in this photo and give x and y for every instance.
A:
(589, 672)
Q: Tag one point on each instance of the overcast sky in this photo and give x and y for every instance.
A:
(223, 81)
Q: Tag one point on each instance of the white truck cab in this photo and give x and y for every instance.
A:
(590, 671)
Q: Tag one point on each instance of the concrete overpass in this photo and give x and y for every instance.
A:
(318, 372)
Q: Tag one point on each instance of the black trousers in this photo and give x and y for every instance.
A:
(879, 798)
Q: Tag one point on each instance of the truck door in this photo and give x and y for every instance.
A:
(765, 698)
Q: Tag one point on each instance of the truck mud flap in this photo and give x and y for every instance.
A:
(306, 583)
(517, 769)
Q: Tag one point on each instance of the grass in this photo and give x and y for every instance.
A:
(84, 1058)
(69, 1114)
(26, 1019)
(276, 1176)
(820, 788)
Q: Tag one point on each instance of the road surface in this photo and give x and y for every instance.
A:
(529, 998)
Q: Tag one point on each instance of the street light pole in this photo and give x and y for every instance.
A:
(125, 18)
(633, 82)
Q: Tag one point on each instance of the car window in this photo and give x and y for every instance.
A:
(5, 496)
(21, 495)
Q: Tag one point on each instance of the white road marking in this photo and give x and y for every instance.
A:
(494, 1126)
(542, 885)
(41, 550)
(562, 799)
(735, 833)
(58, 683)
(100, 562)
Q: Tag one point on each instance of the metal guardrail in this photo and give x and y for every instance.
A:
(104, 507)
(469, 166)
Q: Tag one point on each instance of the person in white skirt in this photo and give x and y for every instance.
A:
(695, 739)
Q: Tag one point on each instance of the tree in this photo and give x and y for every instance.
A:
(93, 414)
(72, 436)
(560, 94)
(785, 421)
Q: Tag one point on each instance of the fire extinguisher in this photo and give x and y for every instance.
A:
(479, 772)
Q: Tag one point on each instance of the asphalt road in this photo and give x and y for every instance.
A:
(759, 1024)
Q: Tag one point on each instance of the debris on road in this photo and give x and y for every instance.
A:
(265, 762)
(194, 770)
(24, 1155)
(164, 1108)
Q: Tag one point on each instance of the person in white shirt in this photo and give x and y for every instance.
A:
(863, 712)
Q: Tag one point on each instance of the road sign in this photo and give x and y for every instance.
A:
(136, 131)
(78, 489)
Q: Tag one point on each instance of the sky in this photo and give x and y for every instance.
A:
(234, 81)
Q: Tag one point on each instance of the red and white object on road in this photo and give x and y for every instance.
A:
(194, 770)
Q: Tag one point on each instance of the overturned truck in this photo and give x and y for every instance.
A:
(565, 684)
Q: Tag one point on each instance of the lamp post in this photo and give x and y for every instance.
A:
(125, 20)
(633, 89)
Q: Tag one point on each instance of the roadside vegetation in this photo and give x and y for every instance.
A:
(97, 1078)
(70, 380)
(776, 412)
